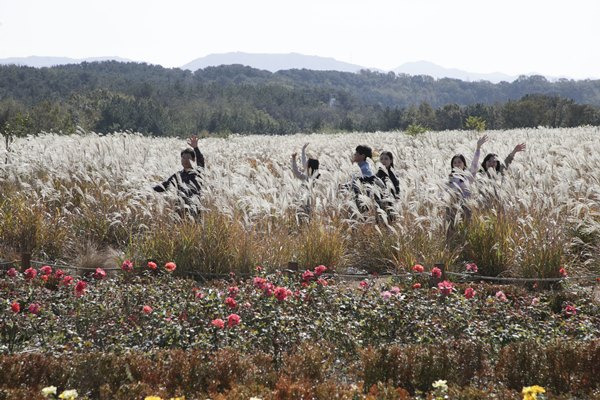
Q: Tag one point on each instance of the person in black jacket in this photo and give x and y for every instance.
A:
(386, 158)
(187, 182)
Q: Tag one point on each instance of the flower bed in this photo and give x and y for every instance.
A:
(379, 334)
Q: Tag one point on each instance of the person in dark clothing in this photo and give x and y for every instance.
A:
(187, 181)
(386, 173)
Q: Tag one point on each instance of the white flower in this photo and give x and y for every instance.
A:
(440, 385)
(70, 394)
(47, 391)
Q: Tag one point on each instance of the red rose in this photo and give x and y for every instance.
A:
(170, 266)
(363, 284)
(233, 320)
(59, 273)
(15, 307)
(470, 293)
(11, 272)
(46, 270)
(80, 288)
(417, 286)
(570, 310)
(218, 323)
(99, 274)
(320, 270)
(307, 275)
(280, 293)
(146, 309)
(563, 272)
(445, 287)
(67, 280)
(127, 266)
(30, 273)
(418, 268)
(231, 303)
(436, 272)
(34, 308)
(152, 265)
(44, 277)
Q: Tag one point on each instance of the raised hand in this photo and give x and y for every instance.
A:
(519, 147)
(193, 141)
(481, 141)
(294, 155)
(305, 146)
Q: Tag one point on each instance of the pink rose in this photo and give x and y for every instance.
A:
(501, 296)
(152, 265)
(11, 272)
(230, 302)
(436, 272)
(320, 270)
(99, 274)
(470, 293)
(307, 276)
(30, 273)
(146, 310)
(471, 267)
(280, 293)
(34, 308)
(127, 266)
(416, 286)
(218, 323)
(80, 288)
(170, 266)
(233, 320)
(445, 287)
(46, 270)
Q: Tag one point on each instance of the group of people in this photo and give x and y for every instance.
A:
(188, 184)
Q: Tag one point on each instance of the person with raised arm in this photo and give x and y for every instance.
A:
(310, 166)
(187, 181)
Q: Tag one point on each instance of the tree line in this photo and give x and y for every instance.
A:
(113, 96)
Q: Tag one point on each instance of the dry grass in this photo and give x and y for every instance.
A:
(62, 193)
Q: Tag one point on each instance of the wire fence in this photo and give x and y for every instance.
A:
(207, 276)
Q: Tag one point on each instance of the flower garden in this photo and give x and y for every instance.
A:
(144, 332)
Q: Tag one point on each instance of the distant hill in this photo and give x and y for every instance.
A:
(39, 62)
(438, 72)
(273, 62)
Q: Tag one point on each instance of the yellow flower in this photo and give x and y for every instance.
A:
(68, 394)
(152, 398)
(531, 392)
(47, 391)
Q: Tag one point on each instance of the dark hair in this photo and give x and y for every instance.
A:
(312, 166)
(390, 155)
(364, 151)
(455, 157)
(485, 160)
(190, 152)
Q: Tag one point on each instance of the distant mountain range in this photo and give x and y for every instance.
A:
(276, 62)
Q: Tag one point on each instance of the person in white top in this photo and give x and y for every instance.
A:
(311, 166)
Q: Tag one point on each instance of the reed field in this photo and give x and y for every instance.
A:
(87, 199)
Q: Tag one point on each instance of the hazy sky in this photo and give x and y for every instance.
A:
(554, 38)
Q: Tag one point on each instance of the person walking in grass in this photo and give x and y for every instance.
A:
(187, 181)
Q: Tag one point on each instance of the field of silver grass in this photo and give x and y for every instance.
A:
(91, 183)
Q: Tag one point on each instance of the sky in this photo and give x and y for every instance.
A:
(553, 38)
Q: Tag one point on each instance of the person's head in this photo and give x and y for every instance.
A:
(386, 158)
(362, 153)
(187, 156)
(458, 162)
(491, 161)
(312, 166)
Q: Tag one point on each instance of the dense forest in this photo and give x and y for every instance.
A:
(114, 96)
